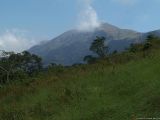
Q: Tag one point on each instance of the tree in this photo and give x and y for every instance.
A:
(4, 66)
(147, 45)
(16, 65)
(151, 37)
(132, 48)
(114, 52)
(3, 74)
(89, 59)
(98, 47)
(27, 62)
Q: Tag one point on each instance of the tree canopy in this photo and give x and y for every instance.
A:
(13, 64)
(98, 46)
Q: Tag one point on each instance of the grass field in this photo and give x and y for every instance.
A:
(88, 92)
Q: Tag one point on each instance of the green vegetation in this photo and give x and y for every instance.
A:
(16, 66)
(99, 48)
(121, 86)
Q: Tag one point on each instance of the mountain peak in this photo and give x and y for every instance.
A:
(71, 46)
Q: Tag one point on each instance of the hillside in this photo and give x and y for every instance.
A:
(71, 47)
(98, 91)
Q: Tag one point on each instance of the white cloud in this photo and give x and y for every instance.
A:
(88, 18)
(15, 40)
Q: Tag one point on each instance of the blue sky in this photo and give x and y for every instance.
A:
(31, 21)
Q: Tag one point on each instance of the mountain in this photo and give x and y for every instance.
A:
(71, 47)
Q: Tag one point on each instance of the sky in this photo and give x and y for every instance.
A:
(24, 23)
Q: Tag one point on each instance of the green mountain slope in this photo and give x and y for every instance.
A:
(89, 92)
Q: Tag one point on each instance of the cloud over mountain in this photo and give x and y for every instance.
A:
(88, 18)
(15, 40)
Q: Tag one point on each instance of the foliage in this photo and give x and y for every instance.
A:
(16, 65)
(89, 59)
(128, 90)
(98, 46)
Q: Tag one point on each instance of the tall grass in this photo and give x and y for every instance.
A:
(87, 92)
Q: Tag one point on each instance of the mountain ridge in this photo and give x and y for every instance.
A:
(71, 46)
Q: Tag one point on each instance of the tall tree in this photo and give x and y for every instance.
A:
(17, 64)
(98, 46)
